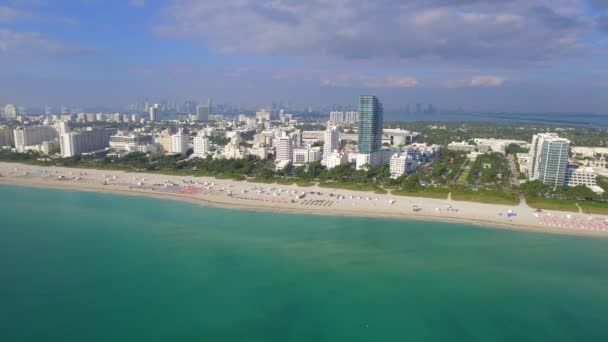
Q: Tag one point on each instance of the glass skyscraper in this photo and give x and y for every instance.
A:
(370, 124)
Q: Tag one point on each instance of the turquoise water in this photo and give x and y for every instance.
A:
(78, 266)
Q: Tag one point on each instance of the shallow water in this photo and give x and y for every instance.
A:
(80, 266)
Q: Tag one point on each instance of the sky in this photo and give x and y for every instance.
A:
(504, 55)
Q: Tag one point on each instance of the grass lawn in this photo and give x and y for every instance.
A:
(594, 207)
(462, 180)
(441, 194)
(354, 186)
(552, 204)
(485, 196)
(288, 181)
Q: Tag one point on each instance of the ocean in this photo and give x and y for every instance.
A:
(81, 266)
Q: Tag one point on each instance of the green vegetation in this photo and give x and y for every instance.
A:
(594, 207)
(485, 196)
(428, 193)
(490, 170)
(552, 204)
(354, 186)
(445, 132)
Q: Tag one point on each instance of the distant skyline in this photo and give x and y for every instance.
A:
(511, 55)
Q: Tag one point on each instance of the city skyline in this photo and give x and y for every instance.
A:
(498, 55)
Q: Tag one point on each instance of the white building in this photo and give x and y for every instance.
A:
(549, 159)
(180, 142)
(76, 143)
(284, 148)
(399, 137)
(61, 127)
(260, 152)
(263, 115)
(155, 113)
(461, 146)
(232, 151)
(7, 137)
(498, 145)
(33, 135)
(306, 155)
(339, 118)
(129, 142)
(201, 145)
(523, 161)
(11, 111)
(398, 165)
(336, 158)
(581, 176)
(331, 140)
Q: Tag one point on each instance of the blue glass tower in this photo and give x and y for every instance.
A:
(370, 124)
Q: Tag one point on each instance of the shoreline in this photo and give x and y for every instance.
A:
(363, 204)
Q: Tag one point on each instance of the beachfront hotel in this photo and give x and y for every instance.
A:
(370, 130)
(548, 160)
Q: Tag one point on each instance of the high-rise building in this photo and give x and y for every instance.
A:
(11, 111)
(284, 148)
(201, 145)
(33, 135)
(331, 143)
(7, 137)
(76, 143)
(549, 159)
(155, 113)
(262, 115)
(202, 113)
(179, 142)
(370, 127)
(61, 127)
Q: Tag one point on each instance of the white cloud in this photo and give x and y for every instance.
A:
(373, 82)
(397, 32)
(8, 14)
(137, 3)
(14, 42)
(487, 81)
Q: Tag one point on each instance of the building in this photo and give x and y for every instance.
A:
(549, 159)
(341, 118)
(398, 165)
(129, 142)
(33, 135)
(370, 129)
(523, 159)
(580, 176)
(7, 137)
(399, 137)
(300, 156)
(11, 111)
(180, 142)
(461, 146)
(263, 115)
(331, 143)
(260, 152)
(336, 158)
(305, 155)
(202, 113)
(201, 145)
(284, 148)
(61, 127)
(498, 145)
(155, 113)
(75, 143)
(164, 141)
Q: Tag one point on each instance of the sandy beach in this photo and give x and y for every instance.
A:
(305, 200)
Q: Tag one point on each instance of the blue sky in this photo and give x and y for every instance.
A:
(521, 55)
